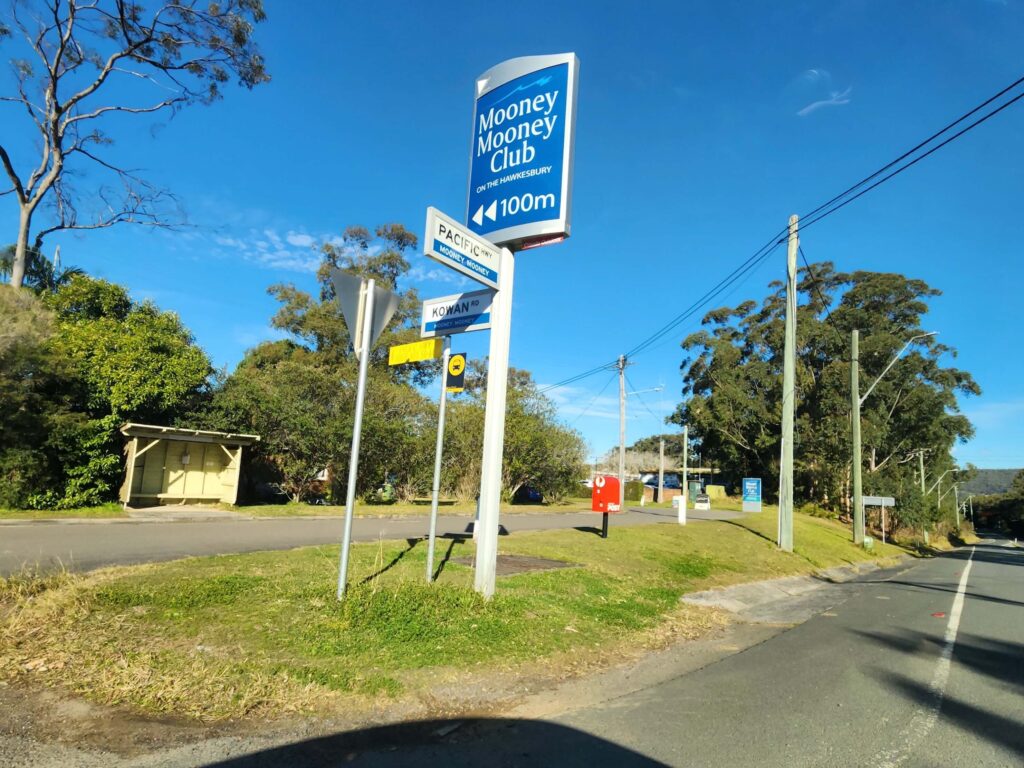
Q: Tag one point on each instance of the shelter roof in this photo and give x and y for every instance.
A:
(151, 431)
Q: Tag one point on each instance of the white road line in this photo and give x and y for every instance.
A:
(925, 715)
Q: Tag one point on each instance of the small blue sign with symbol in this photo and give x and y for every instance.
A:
(521, 160)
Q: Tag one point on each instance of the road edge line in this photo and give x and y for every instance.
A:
(926, 715)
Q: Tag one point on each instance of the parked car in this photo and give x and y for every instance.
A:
(528, 495)
(702, 502)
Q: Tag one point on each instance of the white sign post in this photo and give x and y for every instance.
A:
(435, 488)
(494, 429)
(367, 310)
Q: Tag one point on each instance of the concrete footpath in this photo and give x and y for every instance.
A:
(792, 599)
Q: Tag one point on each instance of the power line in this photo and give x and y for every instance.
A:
(813, 217)
(815, 283)
(911, 151)
(915, 161)
(750, 263)
(577, 377)
(638, 397)
(828, 315)
(590, 405)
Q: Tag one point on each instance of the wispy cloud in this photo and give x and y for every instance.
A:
(292, 252)
(428, 271)
(300, 239)
(574, 403)
(251, 335)
(816, 76)
(817, 85)
(835, 99)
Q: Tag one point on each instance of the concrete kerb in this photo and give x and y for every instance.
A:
(785, 600)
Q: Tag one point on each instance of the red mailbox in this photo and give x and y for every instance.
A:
(605, 496)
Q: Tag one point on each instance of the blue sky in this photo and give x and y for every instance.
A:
(701, 128)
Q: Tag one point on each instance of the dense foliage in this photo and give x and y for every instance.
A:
(732, 381)
(299, 395)
(79, 357)
(74, 365)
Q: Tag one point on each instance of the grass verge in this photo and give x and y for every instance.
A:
(305, 510)
(103, 510)
(408, 509)
(229, 636)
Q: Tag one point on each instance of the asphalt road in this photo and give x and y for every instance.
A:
(82, 546)
(923, 668)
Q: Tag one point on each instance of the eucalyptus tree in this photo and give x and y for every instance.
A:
(78, 68)
(732, 384)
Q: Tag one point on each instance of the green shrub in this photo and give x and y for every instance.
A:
(634, 490)
(816, 510)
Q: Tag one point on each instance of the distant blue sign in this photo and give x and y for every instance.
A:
(752, 494)
(520, 171)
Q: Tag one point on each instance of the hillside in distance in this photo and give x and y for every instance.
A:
(990, 481)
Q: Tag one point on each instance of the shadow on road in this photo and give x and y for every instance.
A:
(473, 742)
(1001, 660)
(989, 553)
(1001, 731)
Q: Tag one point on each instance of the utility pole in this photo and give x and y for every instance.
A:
(920, 464)
(622, 441)
(956, 501)
(686, 484)
(858, 499)
(788, 394)
(661, 470)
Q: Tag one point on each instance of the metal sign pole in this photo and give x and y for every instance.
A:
(436, 487)
(685, 488)
(494, 429)
(366, 323)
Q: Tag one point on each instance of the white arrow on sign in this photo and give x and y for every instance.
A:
(455, 246)
(491, 213)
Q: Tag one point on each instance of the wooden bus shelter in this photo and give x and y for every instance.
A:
(165, 465)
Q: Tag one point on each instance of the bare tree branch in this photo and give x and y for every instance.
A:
(5, 160)
(186, 50)
(132, 110)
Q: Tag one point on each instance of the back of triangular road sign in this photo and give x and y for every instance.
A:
(349, 289)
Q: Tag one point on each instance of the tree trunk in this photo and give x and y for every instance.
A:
(21, 249)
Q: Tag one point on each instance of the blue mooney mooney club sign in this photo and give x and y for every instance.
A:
(520, 172)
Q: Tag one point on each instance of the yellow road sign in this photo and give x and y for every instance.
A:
(456, 380)
(417, 351)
